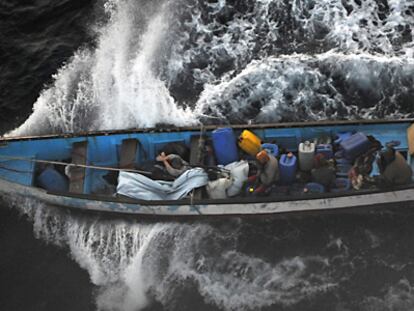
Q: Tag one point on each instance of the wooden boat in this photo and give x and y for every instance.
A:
(93, 155)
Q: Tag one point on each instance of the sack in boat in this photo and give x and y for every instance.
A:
(217, 189)
(239, 172)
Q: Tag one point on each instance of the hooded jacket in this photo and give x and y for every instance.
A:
(398, 172)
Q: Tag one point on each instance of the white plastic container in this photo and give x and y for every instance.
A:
(306, 154)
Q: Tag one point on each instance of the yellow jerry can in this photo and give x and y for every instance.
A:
(250, 143)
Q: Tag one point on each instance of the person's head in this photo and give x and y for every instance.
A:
(262, 157)
(320, 161)
(387, 156)
(176, 163)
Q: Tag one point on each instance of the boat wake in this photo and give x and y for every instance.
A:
(192, 61)
(134, 263)
(235, 264)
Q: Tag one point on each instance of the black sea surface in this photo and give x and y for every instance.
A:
(36, 37)
(73, 65)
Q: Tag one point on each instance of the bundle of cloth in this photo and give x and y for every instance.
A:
(231, 181)
(138, 186)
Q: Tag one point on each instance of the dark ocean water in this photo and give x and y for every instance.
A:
(36, 37)
(85, 65)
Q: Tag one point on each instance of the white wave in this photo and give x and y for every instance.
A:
(303, 87)
(353, 27)
(66, 105)
(147, 48)
(111, 251)
(276, 87)
(115, 85)
(128, 92)
(236, 281)
(207, 48)
(133, 263)
(399, 296)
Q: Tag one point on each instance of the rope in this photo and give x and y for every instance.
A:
(105, 168)
(75, 165)
(14, 170)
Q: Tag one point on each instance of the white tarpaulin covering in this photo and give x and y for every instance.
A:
(141, 187)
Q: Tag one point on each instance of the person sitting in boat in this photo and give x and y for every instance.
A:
(394, 168)
(268, 171)
(323, 172)
(359, 174)
(173, 163)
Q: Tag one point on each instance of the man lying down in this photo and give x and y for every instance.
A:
(140, 187)
(227, 183)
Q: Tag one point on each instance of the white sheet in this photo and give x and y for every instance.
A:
(138, 186)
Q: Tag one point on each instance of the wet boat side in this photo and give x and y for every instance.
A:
(9, 189)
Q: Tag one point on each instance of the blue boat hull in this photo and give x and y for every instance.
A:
(10, 191)
(17, 176)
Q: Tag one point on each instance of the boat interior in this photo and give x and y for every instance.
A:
(101, 155)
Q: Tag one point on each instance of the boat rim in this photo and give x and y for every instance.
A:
(234, 200)
(172, 128)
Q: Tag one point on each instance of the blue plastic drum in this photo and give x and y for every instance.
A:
(52, 180)
(225, 148)
(314, 187)
(287, 169)
(271, 149)
(341, 184)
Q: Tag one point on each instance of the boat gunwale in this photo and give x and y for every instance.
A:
(167, 129)
(393, 198)
(390, 207)
(235, 200)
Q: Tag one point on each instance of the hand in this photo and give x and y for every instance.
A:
(162, 157)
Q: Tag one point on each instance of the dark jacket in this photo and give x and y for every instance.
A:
(398, 172)
(324, 175)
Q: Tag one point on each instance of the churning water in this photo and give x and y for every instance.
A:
(223, 61)
(188, 61)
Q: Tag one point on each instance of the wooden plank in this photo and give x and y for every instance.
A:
(410, 139)
(197, 158)
(128, 154)
(77, 174)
